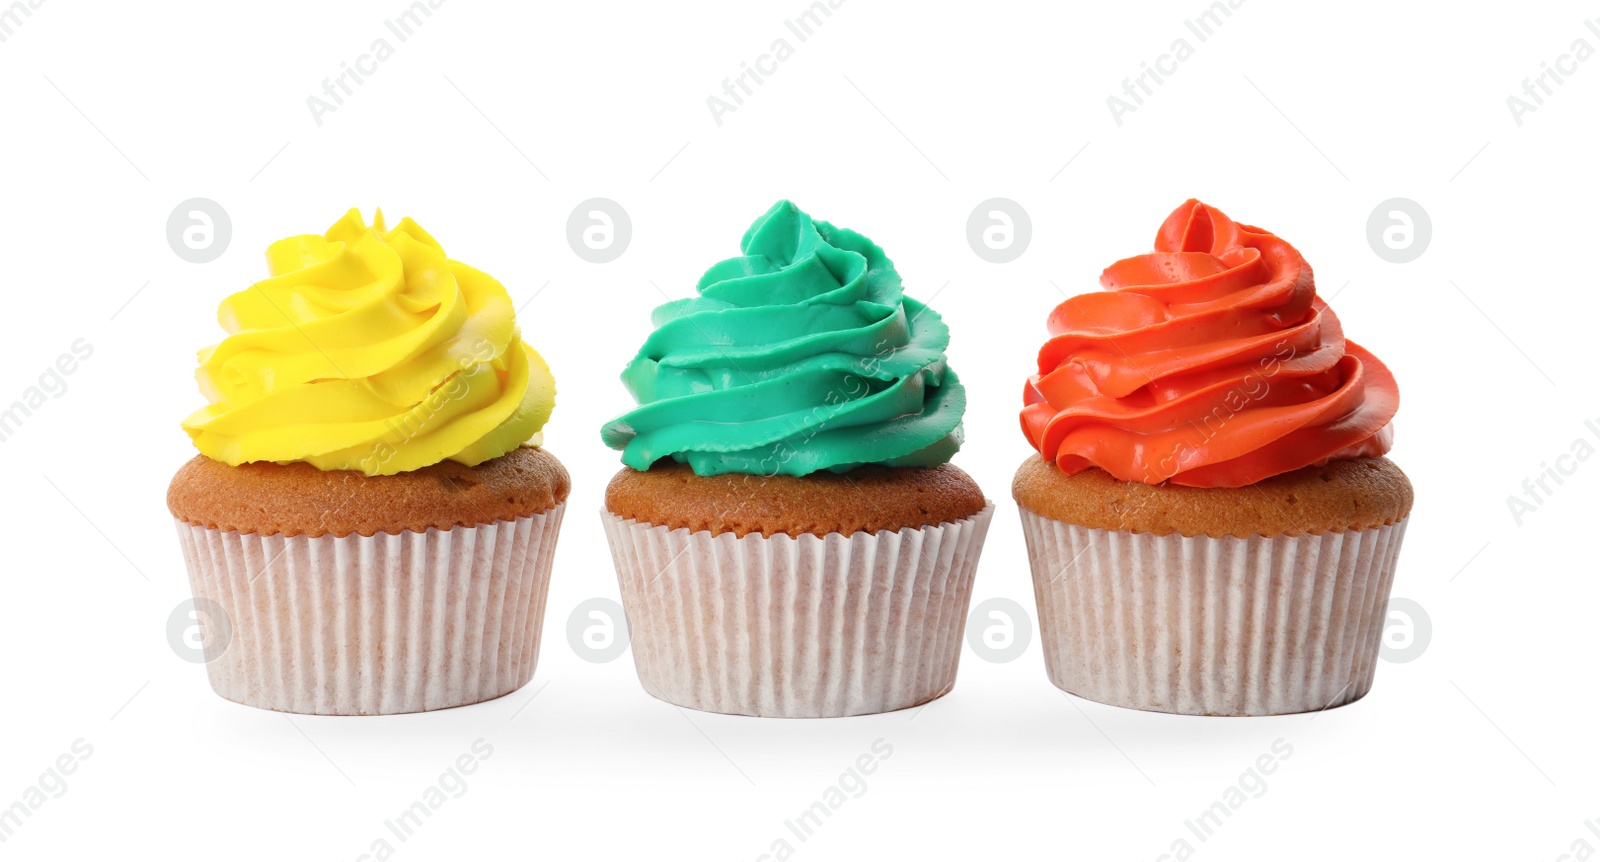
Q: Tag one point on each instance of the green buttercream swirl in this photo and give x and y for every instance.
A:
(803, 354)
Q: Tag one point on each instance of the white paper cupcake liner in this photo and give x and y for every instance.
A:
(806, 627)
(375, 625)
(1204, 626)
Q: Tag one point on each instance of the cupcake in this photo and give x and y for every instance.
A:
(790, 537)
(1210, 520)
(370, 511)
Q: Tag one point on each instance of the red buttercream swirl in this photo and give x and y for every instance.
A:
(1210, 362)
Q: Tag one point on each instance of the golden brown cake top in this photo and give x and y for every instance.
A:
(298, 499)
(866, 499)
(1355, 494)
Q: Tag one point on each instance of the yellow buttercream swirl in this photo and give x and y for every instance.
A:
(369, 350)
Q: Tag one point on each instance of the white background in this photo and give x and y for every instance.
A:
(894, 119)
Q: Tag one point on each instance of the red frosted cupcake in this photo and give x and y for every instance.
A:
(1211, 523)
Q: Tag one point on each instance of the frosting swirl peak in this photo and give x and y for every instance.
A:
(802, 354)
(1210, 362)
(369, 350)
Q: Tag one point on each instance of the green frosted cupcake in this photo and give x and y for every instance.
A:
(790, 537)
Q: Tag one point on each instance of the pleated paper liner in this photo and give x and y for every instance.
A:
(806, 627)
(375, 625)
(1211, 626)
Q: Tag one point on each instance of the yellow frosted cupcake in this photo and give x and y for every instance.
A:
(371, 521)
